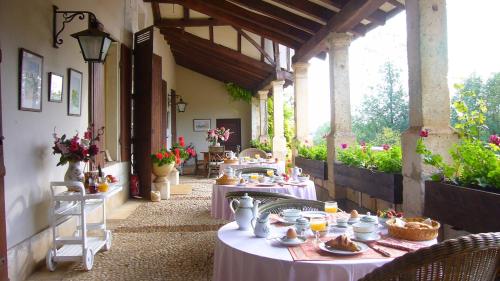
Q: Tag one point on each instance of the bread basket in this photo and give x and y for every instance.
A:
(230, 161)
(413, 234)
(225, 180)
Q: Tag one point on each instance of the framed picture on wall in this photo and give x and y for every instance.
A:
(30, 81)
(201, 125)
(75, 78)
(55, 87)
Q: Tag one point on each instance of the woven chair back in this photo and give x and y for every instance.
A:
(256, 170)
(263, 197)
(300, 204)
(250, 152)
(474, 257)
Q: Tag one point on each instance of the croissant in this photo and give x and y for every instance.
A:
(342, 242)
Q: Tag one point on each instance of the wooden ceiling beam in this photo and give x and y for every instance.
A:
(377, 17)
(162, 23)
(176, 36)
(311, 9)
(282, 15)
(238, 16)
(255, 44)
(156, 12)
(349, 17)
(219, 63)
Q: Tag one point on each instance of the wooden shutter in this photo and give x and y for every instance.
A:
(125, 102)
(147, 107)
(164, 113)
(173, 116)
(3, 233)
(96, 107)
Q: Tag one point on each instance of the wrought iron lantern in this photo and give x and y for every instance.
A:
(181, 105)
(94, 43)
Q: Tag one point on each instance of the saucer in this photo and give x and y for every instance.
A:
(374, 237)
(292, 242)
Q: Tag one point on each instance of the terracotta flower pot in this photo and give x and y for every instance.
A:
(163, 170)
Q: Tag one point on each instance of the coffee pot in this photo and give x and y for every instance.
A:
(244, 211)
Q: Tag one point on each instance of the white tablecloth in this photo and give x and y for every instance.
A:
(239, 255)
(280, 166)
(220, 206)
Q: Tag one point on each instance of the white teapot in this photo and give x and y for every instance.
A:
(244, 211)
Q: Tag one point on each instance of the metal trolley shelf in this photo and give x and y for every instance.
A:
(67, 205)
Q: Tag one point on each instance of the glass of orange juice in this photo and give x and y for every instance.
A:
(331, 207)
(318, 224)
(254, 177)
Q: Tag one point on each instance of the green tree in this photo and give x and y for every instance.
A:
(386, 108)
(489, 93)
(288, 116)
(320, 134)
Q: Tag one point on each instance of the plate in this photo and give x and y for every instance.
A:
(314, 214)
(375, 237)
(325, 248)
(284, 241)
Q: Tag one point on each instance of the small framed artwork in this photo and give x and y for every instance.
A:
(201, 125)
(75, 78)
(30, 81)
(55, 87)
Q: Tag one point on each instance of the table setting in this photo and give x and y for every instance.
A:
(301, 188)
(249, 162)
(313, 245)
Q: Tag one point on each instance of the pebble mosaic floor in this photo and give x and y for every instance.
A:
(171, 240)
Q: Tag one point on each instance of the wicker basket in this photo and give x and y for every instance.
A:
(413, 234)
(224, 180)
(230, 161)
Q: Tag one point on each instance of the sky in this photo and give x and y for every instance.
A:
(473, 47)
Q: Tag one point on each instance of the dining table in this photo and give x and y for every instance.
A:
(240, 255)
(220, 206)
(278, 166)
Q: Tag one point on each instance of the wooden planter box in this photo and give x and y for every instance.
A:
(465, 208)
(315, 168)
(385, 186)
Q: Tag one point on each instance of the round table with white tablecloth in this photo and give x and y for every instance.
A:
(239, 255)
(220, 206)
(279, 166)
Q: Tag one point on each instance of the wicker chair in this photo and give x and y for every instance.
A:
(256, 170)
(474, 257)
(300, 204)
(263, 197)
(215, 158)
(250, 152)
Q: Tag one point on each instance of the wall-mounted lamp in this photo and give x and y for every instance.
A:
(181, 105)
(94, 43)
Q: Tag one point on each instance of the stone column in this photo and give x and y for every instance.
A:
(279, 141)
(340, 105)
(429, 95)
(255, 109)
(263, 95)
(301, 102)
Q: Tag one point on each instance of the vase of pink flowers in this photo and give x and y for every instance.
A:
(218, 135)
(76, 150)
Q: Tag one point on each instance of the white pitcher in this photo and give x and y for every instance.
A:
(296, 171)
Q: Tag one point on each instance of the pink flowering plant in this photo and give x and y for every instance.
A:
(475, 163)
(77, 148)
(218, 134)
(314, 152)
(387, 160)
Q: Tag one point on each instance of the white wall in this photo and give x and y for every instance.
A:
(30, 165)
(207, 98)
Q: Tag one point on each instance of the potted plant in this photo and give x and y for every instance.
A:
(163, 163)
(374, 172)
(466, 192)
(183, 152)
(76, 150)
(312, 160)
(218, 135)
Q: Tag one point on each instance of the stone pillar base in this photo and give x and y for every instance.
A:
(173, 177)
(164, 189)
(415, 172)
(333, 143)
(279, 148)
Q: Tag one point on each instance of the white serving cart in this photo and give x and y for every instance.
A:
(67, 205)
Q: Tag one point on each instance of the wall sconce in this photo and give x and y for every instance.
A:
(181, 105)
(94, 43)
